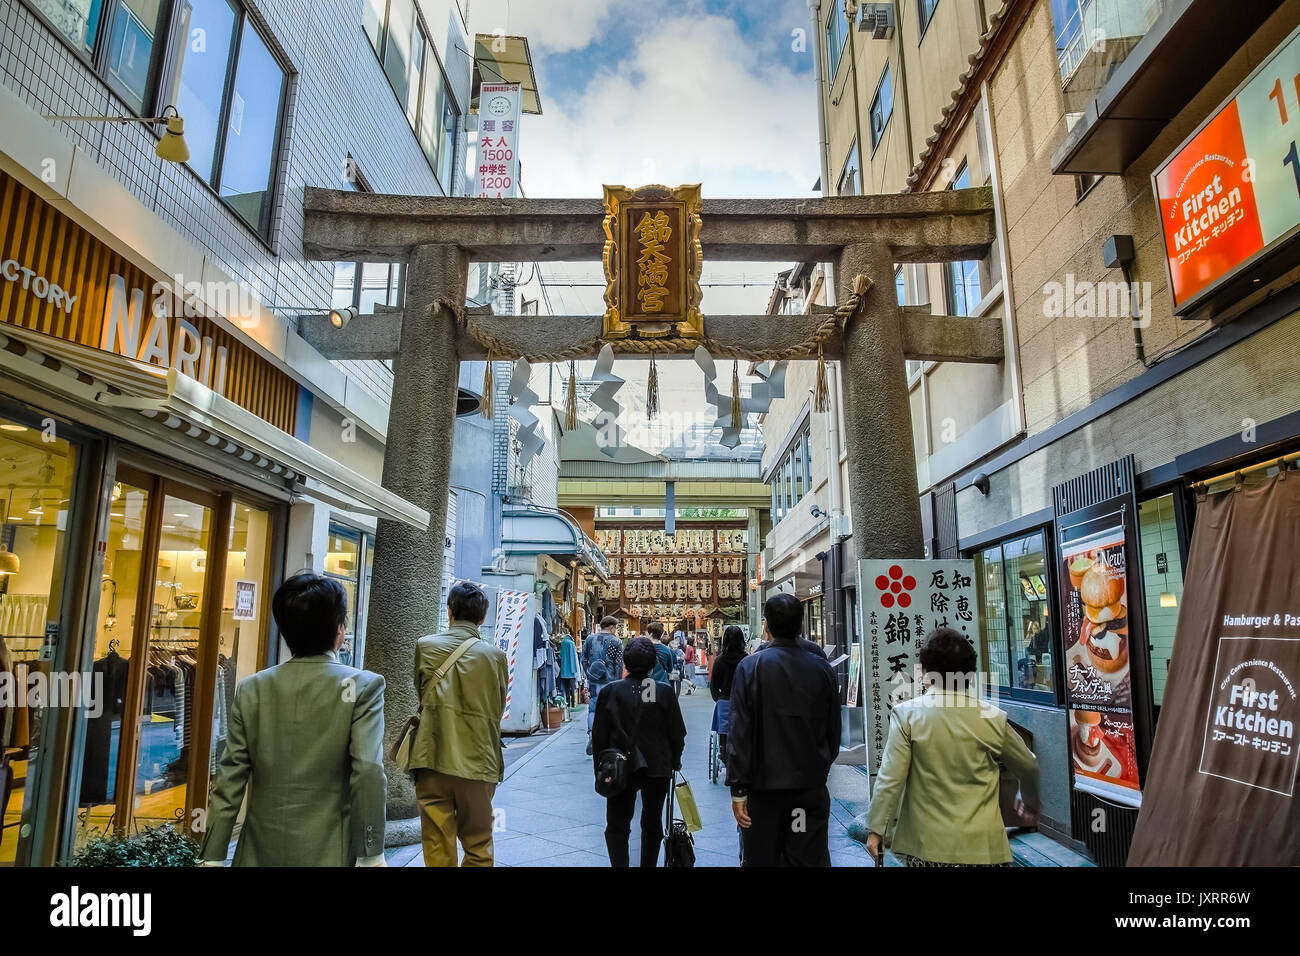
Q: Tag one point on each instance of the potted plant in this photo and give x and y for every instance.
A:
(554, 712)
(162, 845)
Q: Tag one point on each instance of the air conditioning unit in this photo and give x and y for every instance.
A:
(876, 19)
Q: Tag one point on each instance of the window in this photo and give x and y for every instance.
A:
(1017, 649)
(837, 31)
(1162, 576)
(396, 31)
(925, 11)
(232, 118)
(118, 36)
(850, 183)
(792, 478)
(882, 107)
(962, 278)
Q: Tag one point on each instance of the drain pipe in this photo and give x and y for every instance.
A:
(823, 141)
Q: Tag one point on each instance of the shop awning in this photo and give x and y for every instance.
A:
(537, 531)
(502, 59)
(197, 416)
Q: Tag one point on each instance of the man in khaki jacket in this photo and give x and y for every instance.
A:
(305, 745)
(456, 754)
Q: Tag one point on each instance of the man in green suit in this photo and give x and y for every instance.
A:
(456, 754)
(306, 743)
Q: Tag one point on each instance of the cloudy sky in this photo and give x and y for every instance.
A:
(718, 92)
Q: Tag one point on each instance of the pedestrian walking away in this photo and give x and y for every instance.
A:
(940, 773)
(783, 736)
(305, 742)
(724, 669)
(456, 756)
(638, 721)
(602, 662)
(663, 669)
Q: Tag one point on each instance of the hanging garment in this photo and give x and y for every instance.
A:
(100, 755)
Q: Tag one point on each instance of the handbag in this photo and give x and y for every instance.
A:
(679, 845)
(405, 743)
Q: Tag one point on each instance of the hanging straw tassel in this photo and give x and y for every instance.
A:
(571, 399)
(652, 390)
(822, 394)
(485, 403)
(736, 419)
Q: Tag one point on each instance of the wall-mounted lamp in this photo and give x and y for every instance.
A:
(172, 147)
(339, 318)
(981, 483)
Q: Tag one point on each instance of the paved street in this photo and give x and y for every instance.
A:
(550, 815)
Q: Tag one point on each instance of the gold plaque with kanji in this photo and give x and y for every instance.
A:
(653, 259)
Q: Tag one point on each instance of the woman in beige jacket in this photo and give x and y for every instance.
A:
(940, 773)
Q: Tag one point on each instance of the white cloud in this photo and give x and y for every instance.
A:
(692, 102)
(551, 27)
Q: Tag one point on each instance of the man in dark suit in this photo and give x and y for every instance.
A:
(784, 735)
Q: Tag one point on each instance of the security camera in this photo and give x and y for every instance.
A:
(981, 483)
(817, 512)
(339, 318)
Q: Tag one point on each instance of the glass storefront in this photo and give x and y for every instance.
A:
(349, 561)
(1017, 649)
(1162, 575)
(37, 471)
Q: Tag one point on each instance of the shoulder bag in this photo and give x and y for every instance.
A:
(401, 752)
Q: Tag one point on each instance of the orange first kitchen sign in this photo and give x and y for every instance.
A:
(1232, 191)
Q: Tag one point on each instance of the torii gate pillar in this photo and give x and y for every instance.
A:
(883, 494)
(406, 593)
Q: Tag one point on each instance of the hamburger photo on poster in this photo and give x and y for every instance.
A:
(1094, 588)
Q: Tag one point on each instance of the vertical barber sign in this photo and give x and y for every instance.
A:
(512, 611)
(497, 172)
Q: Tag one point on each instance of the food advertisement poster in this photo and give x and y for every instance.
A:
(1099, 685)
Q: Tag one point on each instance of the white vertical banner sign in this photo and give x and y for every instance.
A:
(512, 611)
(899, 603)
(497, 176)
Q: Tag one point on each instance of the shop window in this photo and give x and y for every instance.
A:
(1162, 575)
(168, 736)
(348, 561)
(962, 279)
(115, 644)
(244, 603)
(882, 108)
(1016, 646)
(38, 479)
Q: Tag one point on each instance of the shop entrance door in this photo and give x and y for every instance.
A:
(162, 572)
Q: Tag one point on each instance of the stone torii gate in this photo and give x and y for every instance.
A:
(863, 236)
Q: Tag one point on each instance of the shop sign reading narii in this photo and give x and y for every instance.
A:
(167, 340)
(652, 261)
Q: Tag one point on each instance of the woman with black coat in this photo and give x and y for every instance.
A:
(640, 717)
(724, 669)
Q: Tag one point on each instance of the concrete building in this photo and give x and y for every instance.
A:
(1136, 371)
(177, 442)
